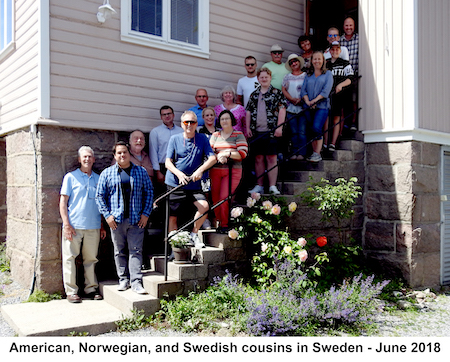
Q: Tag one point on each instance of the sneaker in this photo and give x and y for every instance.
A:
(139, 289)
(206, 225)
(300, 158)
(273, 190)
(332, 148)
(257, 189)
(196, 240)
(123, 285)
(353, 128)
(73, 298)
(315, 157)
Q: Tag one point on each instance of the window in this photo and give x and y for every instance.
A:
(6, 27)
(177, 25)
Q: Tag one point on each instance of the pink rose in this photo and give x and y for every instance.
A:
(267, 205)
(255, 195)
(301, 242)
(303, 255)
(233, 234)
(276, 210)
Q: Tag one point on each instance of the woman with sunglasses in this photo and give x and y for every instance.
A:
(315, 93)
(230, 147)
(291, 88)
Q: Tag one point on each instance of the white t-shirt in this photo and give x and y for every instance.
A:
(344, 53)
(245, 87)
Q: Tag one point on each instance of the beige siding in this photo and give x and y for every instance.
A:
(387, 65)
(98, 81)
(19, 71)
(433, 56)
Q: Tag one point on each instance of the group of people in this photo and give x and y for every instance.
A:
(202, 159)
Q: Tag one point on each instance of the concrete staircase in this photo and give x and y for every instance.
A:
(60, 318)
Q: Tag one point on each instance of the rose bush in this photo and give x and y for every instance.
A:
(262, 224)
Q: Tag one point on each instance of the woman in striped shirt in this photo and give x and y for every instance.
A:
(230, 147)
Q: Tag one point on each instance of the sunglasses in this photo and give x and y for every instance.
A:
(250, 64)
(277, 52)
(293, 61)
(189, 122)
(201, 96)
(333, 35)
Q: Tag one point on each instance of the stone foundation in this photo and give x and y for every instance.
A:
(34, 224)
(402, 210)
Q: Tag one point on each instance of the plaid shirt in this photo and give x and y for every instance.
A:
(109, 195)
(352, 46)
(274, 100)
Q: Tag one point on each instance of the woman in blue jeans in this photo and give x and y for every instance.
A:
(315, 93)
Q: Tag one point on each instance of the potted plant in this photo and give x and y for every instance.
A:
(181, 246)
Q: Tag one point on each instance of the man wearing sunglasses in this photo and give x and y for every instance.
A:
(333, 35)
(276, 66)
(246, 85)
(186, 165)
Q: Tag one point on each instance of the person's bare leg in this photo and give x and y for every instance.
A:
(172, 223)
(273, 174)
(260, 168)
(202, 208)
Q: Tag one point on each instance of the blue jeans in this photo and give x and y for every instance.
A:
(128, 242)
(316, 119)
(298, 128)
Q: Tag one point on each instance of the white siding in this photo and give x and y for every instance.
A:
(387, 66)
(19, 71)
(97, 81)
(433, 56)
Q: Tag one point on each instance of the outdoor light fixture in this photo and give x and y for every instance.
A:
(105, 11)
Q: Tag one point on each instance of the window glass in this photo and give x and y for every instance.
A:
(146, 16)
(184, 21)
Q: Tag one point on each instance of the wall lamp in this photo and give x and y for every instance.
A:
(105, 12)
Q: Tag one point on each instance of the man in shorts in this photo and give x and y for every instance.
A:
(186, 165)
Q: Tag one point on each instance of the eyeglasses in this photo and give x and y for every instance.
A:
(166, 114)
(250, 64)
(201, 96)
(333, 35)
(189, 122)
(293, 61)
(277, 53)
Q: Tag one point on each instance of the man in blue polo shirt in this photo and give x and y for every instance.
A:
(201, 96)
(124, 197)
(186, 165)
(82, 226)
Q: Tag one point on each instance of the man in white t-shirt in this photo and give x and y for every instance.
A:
(246, 85)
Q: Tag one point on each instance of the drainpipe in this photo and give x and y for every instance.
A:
(33, 132)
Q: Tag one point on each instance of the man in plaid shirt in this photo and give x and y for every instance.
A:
(124, 197)
(350, 39)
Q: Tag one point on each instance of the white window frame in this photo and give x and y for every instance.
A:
(164, 42)
(8, 5)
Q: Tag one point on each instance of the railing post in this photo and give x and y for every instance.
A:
(166, 241)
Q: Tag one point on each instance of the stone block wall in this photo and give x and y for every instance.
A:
(3, 208)
(402, 210)
(34, 223)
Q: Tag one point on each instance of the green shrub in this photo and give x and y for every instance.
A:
(39, 296)
(4, 260)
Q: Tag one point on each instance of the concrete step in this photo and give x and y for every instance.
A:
(127, 300)
(60, 318)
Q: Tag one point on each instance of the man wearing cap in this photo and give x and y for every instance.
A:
(276, 66)
(291, 88)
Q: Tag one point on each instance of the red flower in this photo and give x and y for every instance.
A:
(321, 241)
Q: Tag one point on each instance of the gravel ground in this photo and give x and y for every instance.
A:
(432, 320)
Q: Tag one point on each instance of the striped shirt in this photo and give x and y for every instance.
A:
(235, 142)
(109, 196)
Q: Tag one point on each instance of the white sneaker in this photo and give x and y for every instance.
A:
(257, 189)
(123, 285)
(315, 157)
(206, 225)
(196, 240)
(138, 288)
(273, 190)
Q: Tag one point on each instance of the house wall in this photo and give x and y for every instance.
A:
(99, 81)
(433, 75)
(19, 71)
